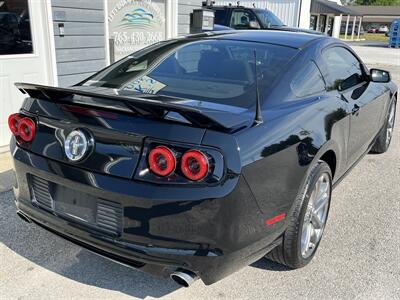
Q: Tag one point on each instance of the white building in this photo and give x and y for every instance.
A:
(321, 15)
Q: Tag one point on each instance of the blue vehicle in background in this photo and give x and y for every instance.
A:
(245, 18)
(394, 36)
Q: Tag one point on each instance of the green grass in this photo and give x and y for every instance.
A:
(377, 37)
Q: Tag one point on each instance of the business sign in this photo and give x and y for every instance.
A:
(134, 24)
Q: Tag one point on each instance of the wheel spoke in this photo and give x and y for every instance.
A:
(321, 188)
(307, 238)
(388, 135)
(321, 202)
(315, 234)
(391, 116)
(316, 221)
(317, 189)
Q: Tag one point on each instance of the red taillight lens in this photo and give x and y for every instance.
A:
(162, 161)
(194, 165)
(26, 129)
(13, 122)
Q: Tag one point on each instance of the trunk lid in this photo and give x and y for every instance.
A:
(200, 114)
(117, 131)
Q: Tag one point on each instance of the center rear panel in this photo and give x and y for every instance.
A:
(99, 214)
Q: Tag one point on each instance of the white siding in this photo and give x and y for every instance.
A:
(185, 7)
(80, 52)
(286, 10)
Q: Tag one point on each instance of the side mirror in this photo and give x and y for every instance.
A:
(254, 25)
(377, 75)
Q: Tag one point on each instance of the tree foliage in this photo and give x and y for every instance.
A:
(377, 2)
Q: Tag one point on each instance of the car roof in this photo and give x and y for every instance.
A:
(280, 37)
(225, 6)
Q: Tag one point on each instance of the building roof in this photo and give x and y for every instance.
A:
(378, 19)
(372, 10)
(329, 7)
(278, 37)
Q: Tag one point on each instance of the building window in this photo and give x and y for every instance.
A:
(15, 27)
(322, 23)
(313, 22)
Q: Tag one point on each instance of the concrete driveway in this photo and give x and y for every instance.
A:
(359, 256)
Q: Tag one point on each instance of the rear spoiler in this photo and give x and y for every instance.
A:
(199, 116)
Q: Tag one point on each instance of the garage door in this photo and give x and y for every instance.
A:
(24, 54)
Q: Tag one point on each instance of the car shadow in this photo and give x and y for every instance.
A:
(269, 265)
(64, 258)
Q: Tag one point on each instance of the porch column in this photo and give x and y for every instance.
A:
(359, 28)
(337, 24)
(347, 27)
(303, 12)
(171, 18)
(354, 27)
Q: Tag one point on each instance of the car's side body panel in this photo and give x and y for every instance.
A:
(366, 103)
(295, 133)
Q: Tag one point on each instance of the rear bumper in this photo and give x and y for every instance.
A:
(212, 237)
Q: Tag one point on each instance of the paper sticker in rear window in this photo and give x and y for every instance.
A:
(145, 85)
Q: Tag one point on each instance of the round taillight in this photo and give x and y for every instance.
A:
(162, 161)
(194, 165)
(26, 129)
(13, 121)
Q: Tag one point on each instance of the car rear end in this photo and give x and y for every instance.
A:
(111, 202)
(153, 180)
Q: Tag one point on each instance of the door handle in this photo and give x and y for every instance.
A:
(355, 109)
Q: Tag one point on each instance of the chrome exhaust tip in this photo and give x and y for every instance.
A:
(23, 217)
(184, 278)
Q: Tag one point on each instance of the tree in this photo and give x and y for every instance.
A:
(377, 2)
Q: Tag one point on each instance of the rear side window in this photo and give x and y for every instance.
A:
(308, 81)
(241, 19)
(344, 69)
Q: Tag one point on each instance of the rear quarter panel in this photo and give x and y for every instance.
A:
(277, 155)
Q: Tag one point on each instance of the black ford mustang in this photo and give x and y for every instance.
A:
(198, 156)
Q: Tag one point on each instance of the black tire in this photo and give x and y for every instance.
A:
(382, 141)
(289, 252)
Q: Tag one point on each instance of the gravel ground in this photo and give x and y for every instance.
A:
(358, 256)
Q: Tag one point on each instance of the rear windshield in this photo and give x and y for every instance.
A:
(219, 71)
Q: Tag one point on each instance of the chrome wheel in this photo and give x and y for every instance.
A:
(316, 215)
(390, 125)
